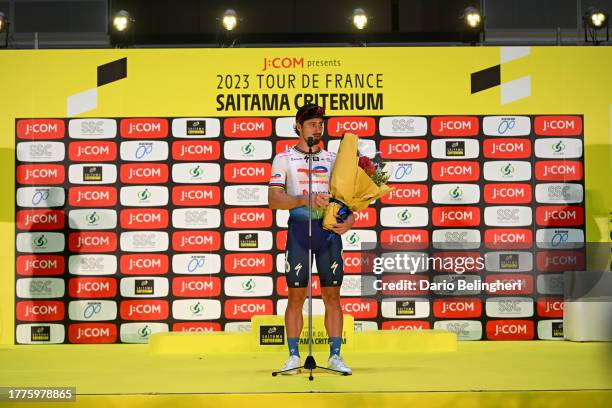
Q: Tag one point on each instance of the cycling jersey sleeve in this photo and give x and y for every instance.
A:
(278, 179)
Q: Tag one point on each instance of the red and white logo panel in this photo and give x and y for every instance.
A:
(454, 126)
(361, 126)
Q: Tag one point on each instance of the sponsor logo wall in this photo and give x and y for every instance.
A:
(130, 226)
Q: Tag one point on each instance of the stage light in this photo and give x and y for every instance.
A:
(596, 18)
(4, 28)
(122, 29)
(472, 18)
(122, 21)
(3, 22)
(228, 29)
(229, 19)
(593, 21)
(359, 18)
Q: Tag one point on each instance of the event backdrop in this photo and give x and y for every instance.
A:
(137, 195)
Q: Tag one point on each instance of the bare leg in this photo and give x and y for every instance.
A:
(294, 322)
(333, 310)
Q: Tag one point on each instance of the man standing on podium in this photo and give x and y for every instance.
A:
(288, 190)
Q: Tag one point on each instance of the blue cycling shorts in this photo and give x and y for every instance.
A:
(327, 251)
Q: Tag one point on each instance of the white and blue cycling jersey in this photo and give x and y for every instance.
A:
(290, 172)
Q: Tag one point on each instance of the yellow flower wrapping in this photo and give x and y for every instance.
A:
(349, 183)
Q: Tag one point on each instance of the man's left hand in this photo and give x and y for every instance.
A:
(344, 226)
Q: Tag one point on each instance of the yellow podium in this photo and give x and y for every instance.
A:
(268, 334)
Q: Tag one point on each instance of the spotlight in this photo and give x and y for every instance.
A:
(4, 28)
(596, 18)
(472, 18)
(122, 33)
(3, 22)
(359, 18)
(229, 19)
(593, 21)
(228, 31)
(122, 21)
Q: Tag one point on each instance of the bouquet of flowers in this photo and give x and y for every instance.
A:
(374, 169)
(355, 182)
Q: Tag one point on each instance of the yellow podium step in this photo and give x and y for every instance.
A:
(406, 341)
(268, 335)
(200, 343)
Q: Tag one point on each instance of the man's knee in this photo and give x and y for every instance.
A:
(296, 299)
(330, 295)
